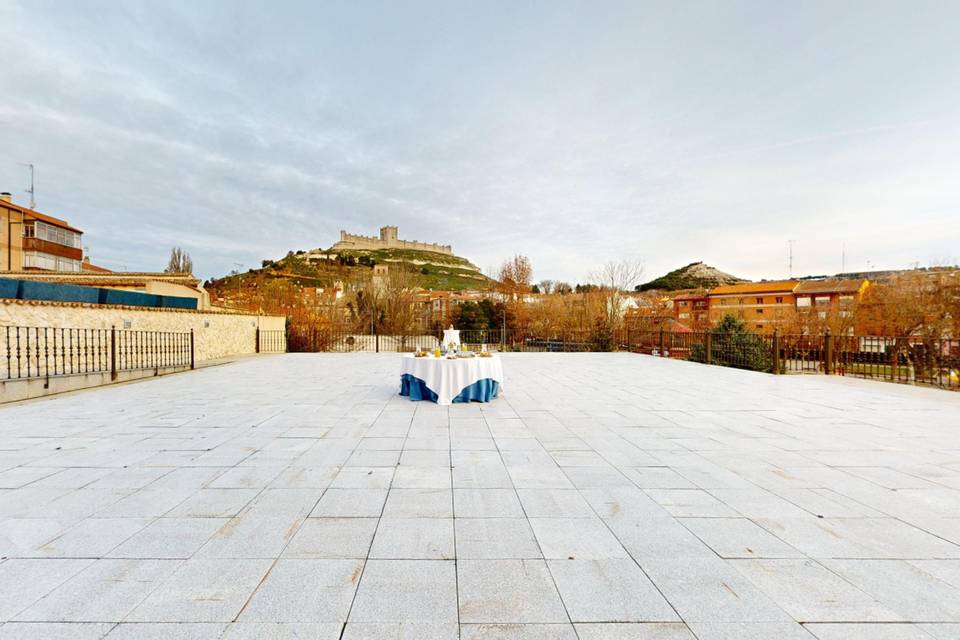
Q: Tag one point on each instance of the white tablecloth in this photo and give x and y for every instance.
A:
(447, 378)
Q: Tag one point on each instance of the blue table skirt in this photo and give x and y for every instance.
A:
(480, 391)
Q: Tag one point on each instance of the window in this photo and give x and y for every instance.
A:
(759, 300)
(57, 235)
(822, 315)
(759, 326)
(803, 301)
(779, 299)
(38, 260)
(759, 311)
(822, 301)
(684, 316)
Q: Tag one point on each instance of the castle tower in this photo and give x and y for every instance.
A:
(388, 235)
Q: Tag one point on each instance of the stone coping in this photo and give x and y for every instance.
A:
(124, 307)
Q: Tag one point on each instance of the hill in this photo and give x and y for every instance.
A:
(436, 271)
(323, 268)
(695, 275)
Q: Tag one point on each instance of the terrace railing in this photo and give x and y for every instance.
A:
(914, 359)
(42, 352)
(927, 361)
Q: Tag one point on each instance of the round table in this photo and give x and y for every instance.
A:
(449, 380)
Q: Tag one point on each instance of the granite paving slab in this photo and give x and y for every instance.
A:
(601, 496)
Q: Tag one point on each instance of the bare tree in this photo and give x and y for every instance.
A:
(180, 262)
(397, 300)
(615, 278)
(516, 273)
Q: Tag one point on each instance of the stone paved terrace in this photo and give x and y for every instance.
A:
(610, 496)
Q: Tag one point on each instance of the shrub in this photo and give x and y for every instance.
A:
(732, 345)
(601, 337)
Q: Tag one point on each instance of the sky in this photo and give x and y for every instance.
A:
(572, 132)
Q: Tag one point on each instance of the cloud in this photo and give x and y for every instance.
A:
(571, 133)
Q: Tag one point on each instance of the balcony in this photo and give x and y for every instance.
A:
(52, 249)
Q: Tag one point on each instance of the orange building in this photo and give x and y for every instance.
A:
(762, 306)
(823, 304)
(692, 310)
(30, 240)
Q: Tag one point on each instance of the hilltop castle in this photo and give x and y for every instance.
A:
(387, 240)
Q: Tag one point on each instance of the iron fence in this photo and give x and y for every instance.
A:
(41, 352)
(915, 359)
(918, 360)
(346, 339)
(138, 350)
(341, 339)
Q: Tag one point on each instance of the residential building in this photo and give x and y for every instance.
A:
(762, 306)
(692, 310)
(823, 304)
(34, 241)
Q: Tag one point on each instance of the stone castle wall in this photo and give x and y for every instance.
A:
(372, 243)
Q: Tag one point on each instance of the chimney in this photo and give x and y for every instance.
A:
(6, 197)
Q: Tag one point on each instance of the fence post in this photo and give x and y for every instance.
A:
(113, 352)
(376, 339)
(827, 352)
(708, 347)
(776, 351)
(258, 340)
(192, 359)
(503, 331)
(661, 341)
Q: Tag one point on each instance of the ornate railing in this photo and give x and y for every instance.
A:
(40, 352)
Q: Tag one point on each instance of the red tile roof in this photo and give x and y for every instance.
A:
(57, 222)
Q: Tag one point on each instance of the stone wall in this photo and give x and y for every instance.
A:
(216, 334)
(370, 243)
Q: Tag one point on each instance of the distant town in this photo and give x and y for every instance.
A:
(386, 284)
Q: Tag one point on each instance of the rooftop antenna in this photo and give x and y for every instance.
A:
(790, 243)
(29, 165)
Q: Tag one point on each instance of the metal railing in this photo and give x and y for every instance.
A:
(345, 339)
(914, 359)
(42, 352)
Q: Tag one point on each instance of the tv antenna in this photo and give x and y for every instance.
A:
(29, 165)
